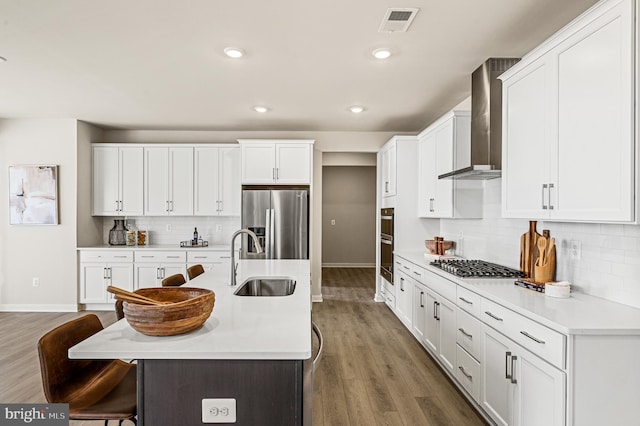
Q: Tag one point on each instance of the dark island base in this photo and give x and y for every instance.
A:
(267, 392)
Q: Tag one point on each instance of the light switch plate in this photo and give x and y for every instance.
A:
(218, 410)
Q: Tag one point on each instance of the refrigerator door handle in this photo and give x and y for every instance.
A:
(267, 234)
(272, 223)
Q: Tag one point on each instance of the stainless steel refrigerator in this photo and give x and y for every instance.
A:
(280, 219)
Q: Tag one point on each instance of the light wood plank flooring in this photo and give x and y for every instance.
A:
(373, 371)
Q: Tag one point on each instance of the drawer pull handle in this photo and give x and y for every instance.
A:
(405, 267)
(524, 333)
(494, 317)
(225, 257)
(398, 263)
(173, 257)
(200, 257)
(467, 375)
(148, 257)
(417, 273)
(121, 257)
(461, 330)
(465, 301)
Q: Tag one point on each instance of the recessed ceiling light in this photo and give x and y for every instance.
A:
(234, 52)
(260, 109)
(381, 53)
(356, 109)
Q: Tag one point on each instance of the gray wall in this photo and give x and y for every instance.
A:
(349, 198)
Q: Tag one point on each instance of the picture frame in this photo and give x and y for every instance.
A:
(33, 195)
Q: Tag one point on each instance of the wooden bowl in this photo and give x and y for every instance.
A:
(189, 309)
(431, 245)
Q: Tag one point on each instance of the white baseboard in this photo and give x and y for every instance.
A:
(378, 298)
(348, 265)
(98, 307)
(38, 308)
(316, 298)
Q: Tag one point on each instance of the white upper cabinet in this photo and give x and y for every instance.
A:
(437, 150)
(389, 159)
(117, 180)
(278, 162)
(168, 181)
(217, 186)
(568, 117)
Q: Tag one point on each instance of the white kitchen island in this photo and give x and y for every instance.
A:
(256, 350)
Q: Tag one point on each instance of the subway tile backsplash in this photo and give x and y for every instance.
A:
(215, 230)
(609, 263)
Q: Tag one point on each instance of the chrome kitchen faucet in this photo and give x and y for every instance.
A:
(234, 267)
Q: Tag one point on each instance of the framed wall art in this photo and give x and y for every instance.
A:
(33, 195)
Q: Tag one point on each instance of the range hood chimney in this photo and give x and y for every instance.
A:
(486, 122)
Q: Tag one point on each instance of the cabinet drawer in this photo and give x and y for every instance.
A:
(161, 256)
(208, 256)
(389, 287)
(468, 332)
(468, 373)
(106, 256)
(440, 285)
(541, 340)
(469, 301)
(390, 300)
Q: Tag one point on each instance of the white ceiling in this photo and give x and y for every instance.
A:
(158, 64)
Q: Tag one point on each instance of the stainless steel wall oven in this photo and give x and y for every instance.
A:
(386, 244)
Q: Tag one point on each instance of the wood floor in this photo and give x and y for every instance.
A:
(373, 371)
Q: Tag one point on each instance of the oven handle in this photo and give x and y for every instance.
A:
(386, 217)
(386, 242)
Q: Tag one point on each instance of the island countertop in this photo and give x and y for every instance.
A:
(240, 327)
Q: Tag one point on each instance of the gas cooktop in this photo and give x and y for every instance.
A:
(468, 268)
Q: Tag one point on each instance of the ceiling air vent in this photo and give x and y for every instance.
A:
(397, 20)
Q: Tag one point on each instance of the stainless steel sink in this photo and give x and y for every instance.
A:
(266, 286)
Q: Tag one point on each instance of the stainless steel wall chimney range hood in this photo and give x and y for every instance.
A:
(486, 122)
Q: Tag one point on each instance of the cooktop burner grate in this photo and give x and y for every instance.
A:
(468, 268)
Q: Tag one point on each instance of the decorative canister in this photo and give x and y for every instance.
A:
(142, 237)
(118, 234)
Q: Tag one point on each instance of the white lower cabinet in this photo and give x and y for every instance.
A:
(101, 269)
(440, 329)
(419, 310)
(216, 263)
(152, 267)
(404, 296)
(518, 388)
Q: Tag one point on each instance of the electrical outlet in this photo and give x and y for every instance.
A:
(333, 221)
(169, 228)
(218, 410)
(218, 228)
(575, 249)
(36, 282)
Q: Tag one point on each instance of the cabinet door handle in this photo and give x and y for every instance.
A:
(467, 375)
(109, 274)
(104, 273)
(431, 200)
(386, 187)
(220, 208)
(157, 273)
(162, 274)
(550, 188)
(434, 309)
(465, 301)
(524, 333)
(117, 206)
(437, 310)
(401, 284)
(121, 208)
(277, 173)
(273, 173)
(167, 206)
(421, 299)
(469, 336)
(513, 369)
(507, 357)
(493, 316)
(171, 205)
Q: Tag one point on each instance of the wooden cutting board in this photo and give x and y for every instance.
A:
(528, 244)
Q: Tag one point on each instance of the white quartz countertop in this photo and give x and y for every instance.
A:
(240, 327)
(579, 314)
(160, 247)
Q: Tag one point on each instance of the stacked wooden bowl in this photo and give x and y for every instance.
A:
(180, 310)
